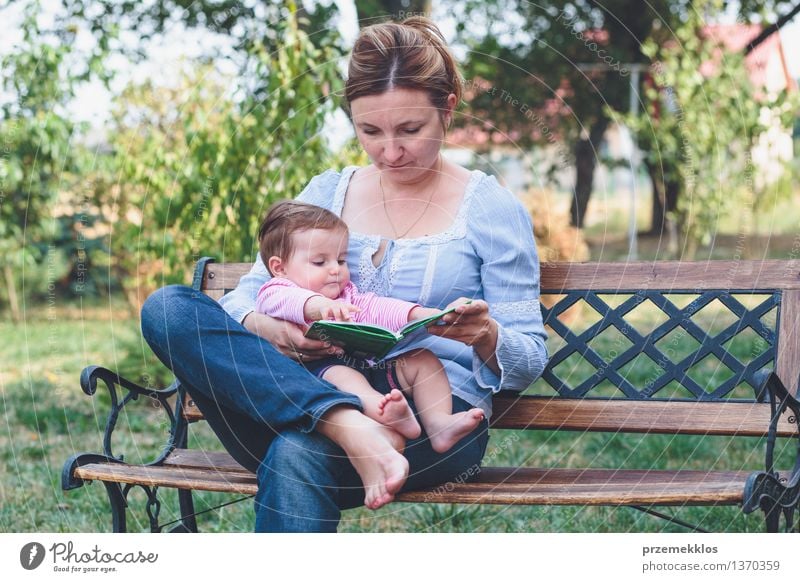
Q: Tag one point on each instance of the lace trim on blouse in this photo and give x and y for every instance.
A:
(427, 279)
(368, 279)
(394, 265)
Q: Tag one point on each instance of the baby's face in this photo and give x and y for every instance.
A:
(319, 261)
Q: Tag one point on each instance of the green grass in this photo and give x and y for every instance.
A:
(46, 418)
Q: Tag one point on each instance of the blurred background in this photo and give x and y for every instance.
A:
(139, 136)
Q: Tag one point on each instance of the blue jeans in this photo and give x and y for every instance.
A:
(264, 407)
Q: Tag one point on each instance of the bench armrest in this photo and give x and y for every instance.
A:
(91, 375)
(768, 490)
(780, 399)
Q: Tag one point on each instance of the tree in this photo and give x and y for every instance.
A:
(39, 154)
(199, 164)
(247, 24)
(557, 70)
(701, 120)
(554, 68)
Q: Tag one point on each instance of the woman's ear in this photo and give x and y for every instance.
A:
(451, 107)
(275, 266)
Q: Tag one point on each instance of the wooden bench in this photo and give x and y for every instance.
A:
(760, 299)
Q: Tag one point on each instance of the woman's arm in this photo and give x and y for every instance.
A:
(505, 328)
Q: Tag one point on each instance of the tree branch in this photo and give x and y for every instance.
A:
(770, 30)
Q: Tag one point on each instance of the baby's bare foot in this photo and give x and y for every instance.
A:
(394, 412)
(450, 429)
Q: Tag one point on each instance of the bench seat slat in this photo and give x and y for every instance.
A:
(591, 487)
(209, 478)
(204, 471)
(199, 459)
(653, 416)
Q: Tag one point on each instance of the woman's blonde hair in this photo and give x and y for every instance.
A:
(411, 54)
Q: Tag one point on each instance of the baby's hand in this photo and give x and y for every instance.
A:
(318, 308)
(338, 311)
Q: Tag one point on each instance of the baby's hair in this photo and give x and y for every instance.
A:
(287, 217)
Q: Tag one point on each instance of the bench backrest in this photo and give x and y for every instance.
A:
(687, 321)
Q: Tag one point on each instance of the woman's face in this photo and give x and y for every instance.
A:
(401, 131)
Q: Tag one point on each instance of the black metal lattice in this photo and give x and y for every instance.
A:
(677, 318)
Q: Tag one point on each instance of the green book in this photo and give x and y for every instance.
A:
(365, 340)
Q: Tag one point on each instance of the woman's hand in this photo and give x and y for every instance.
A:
(288, 338)
(472, 325)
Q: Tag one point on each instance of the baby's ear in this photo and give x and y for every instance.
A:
(275, 266)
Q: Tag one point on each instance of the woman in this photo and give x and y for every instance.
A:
(423, 229)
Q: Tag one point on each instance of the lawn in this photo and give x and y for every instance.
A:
(47, 418)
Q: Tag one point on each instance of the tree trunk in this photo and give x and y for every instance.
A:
(665, 202)
(13, 300)
(585, 163)
(659, 201)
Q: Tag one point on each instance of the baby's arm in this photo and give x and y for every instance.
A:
(319, 307)
(386, 311)
(420, 312)
(283, 299)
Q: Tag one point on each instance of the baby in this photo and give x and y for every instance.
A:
(304, 247)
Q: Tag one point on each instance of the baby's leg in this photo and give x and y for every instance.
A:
(391, 409)
(422, 375)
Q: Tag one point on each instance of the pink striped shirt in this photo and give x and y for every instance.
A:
(282, 299)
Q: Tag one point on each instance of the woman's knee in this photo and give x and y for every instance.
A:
(159, 307)
(175, 311)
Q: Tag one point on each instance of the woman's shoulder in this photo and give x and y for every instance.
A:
(490, 201)
(322, 189)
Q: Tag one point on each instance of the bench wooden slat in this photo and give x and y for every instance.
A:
(223, 276)
(629, 416)
(633, 416)
(219, 472)
(199, 459)
(631, 276)
(208, 478)
(190, 410)
(215, 294)
(591, 487)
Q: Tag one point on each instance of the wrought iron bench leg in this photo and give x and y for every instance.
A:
(188, 523)
(119, 505)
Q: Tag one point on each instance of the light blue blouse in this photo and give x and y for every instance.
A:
(487, 253)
